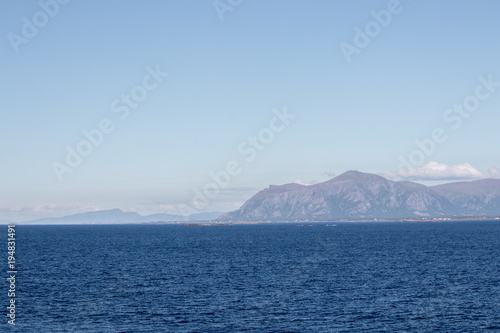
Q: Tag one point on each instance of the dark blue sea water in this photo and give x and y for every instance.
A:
(352, 277)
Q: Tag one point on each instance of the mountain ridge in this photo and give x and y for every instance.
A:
(358, 195)
(117, 216)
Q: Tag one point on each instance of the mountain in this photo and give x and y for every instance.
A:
(117, 216)
(102, 216)
(480, 197)
(357, 195)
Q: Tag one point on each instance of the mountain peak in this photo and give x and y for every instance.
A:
(357, 175)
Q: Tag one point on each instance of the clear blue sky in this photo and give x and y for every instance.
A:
(225, 79)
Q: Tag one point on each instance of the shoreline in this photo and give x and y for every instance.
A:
(308, 222)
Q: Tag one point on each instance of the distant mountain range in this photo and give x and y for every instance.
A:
(351, 196)
(357, 195)
(117, 216)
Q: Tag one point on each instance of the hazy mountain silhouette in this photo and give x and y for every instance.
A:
(115, 216)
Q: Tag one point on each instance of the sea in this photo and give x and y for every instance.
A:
(321, 277)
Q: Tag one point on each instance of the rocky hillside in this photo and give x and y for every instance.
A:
(357, 195)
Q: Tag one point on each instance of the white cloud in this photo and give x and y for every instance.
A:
(329, 174)
(10, 209)
(494, 172)
(305, 183)
(437, 171)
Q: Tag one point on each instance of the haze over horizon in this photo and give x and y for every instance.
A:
(148, 108)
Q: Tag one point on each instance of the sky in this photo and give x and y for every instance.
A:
(191, 106)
